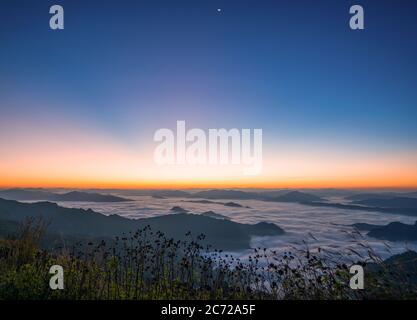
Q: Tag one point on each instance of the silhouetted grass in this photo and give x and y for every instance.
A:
(147, 265)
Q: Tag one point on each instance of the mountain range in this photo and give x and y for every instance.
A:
(38, 194)
(220, 233)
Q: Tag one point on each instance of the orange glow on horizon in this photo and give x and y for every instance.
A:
(78, 158)
(116, 168)
(305, 184)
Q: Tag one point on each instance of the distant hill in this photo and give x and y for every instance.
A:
(297, 196)
(170, 193)
(234, 205)
(64, 220)
(33, 195)
(178, 209)
(166, 193)
(381, 195)
(226, 204)
(395, 231)
(330, 192)
(227, 194)
(88, 197)
(22, 194)
(223, 234)
(273, 193)
(359, 207)
(392, 202)
(278, 196)
(364, 196)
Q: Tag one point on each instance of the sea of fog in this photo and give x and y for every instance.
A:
(327, 228)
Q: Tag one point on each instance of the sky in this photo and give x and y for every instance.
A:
(79, 106)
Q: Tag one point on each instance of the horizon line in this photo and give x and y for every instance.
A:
(208, 186)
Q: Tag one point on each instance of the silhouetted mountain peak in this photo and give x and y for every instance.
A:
(395, 231)
(178, 209)
(297, 196)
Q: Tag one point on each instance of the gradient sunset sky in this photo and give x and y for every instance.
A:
(79, 107)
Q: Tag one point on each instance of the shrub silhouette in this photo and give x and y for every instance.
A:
(147, 265)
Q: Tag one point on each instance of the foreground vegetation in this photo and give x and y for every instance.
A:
(148, 265)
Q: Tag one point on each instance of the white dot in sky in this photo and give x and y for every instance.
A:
(219, 10)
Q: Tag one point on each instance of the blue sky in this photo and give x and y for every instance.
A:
(293, 68)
